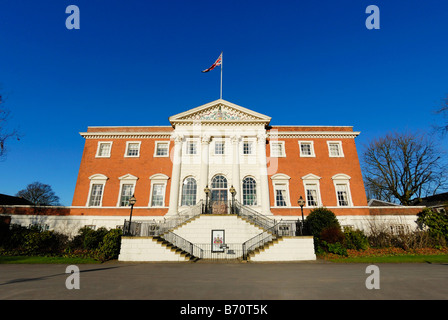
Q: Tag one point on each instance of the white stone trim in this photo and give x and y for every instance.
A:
(341, 151)
(156, 143)
(126, 179)
(342, 178)
(98, 149)
(312, 155)
(96, 179)
(312, 179)
(127, 146)
(158, 178)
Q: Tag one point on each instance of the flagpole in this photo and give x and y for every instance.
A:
(221, 78)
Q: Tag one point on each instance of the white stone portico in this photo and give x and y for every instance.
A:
(219, 140)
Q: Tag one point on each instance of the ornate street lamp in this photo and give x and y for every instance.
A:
(301, 203)
(207, 194)
(132, 201)
(233, 193)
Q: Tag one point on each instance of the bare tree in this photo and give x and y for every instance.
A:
(39, 194)
(403, 167)
(5, 134)
(443, 110)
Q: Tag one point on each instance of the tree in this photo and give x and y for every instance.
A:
(443, 110)
(403, 166)
(39, 194)
(5, 134)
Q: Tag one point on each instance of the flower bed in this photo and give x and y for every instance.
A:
(386, 252)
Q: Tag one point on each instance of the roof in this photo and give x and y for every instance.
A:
(432, 201)
(6, 200)
(380, 203)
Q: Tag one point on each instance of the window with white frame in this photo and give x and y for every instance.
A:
(127, 190)
(312, 190)
(191, 147)
(249, 192)
(96, 194)
(219, 147)
(280, 196)
(158, 188)
(278, 149)
(247, 147)
(104, 149)
(335, 149)
(342, 194)
(306, 149)
(158, 191)
(132, 149)
(342, 189)
(162, 149)
(280, 184)
(189, 191)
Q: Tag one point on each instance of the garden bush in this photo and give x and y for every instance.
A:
(355, 239)
(332, 234)
(101, 244)
(435, 222)
(320, 219)
(110, 246)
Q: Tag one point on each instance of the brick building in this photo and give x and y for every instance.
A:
(219, 145)
(217, 158)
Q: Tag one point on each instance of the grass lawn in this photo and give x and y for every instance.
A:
(45, 260)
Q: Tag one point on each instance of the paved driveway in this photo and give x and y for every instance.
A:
(220, 281)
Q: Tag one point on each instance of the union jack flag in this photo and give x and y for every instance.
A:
(217, 63)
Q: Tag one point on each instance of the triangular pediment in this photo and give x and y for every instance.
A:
(220, 111)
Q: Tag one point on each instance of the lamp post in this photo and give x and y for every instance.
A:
(132, 201)
(233, 193)
(207, 194)
(301, 203)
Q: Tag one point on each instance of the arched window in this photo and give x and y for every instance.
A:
(249, 191)
(219, 188)
(189, 190)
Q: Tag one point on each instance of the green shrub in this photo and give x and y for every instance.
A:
(110, 246)
(88, 238)
(355, 239)
(320, 219)
(332, 234)
(336, 248)
(44, 242)
(436, 222)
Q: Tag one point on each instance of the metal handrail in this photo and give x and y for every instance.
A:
(156, 228)
(183, 244)
(253, 216)
(258, 241)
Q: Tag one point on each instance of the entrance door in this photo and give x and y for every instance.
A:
(219, 188)
(219, 195)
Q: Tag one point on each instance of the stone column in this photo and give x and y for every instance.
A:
(236, 179)
(205, 143)
(175, 176)
(264, 183)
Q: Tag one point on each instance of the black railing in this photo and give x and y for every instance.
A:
(183, 244)
(159, 227)
(163, 228)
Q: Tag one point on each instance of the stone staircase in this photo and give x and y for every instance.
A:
(248, 236)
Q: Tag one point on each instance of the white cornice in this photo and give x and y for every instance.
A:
(313, 134)
(126, 135)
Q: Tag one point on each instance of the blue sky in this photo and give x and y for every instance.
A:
(138, 62)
